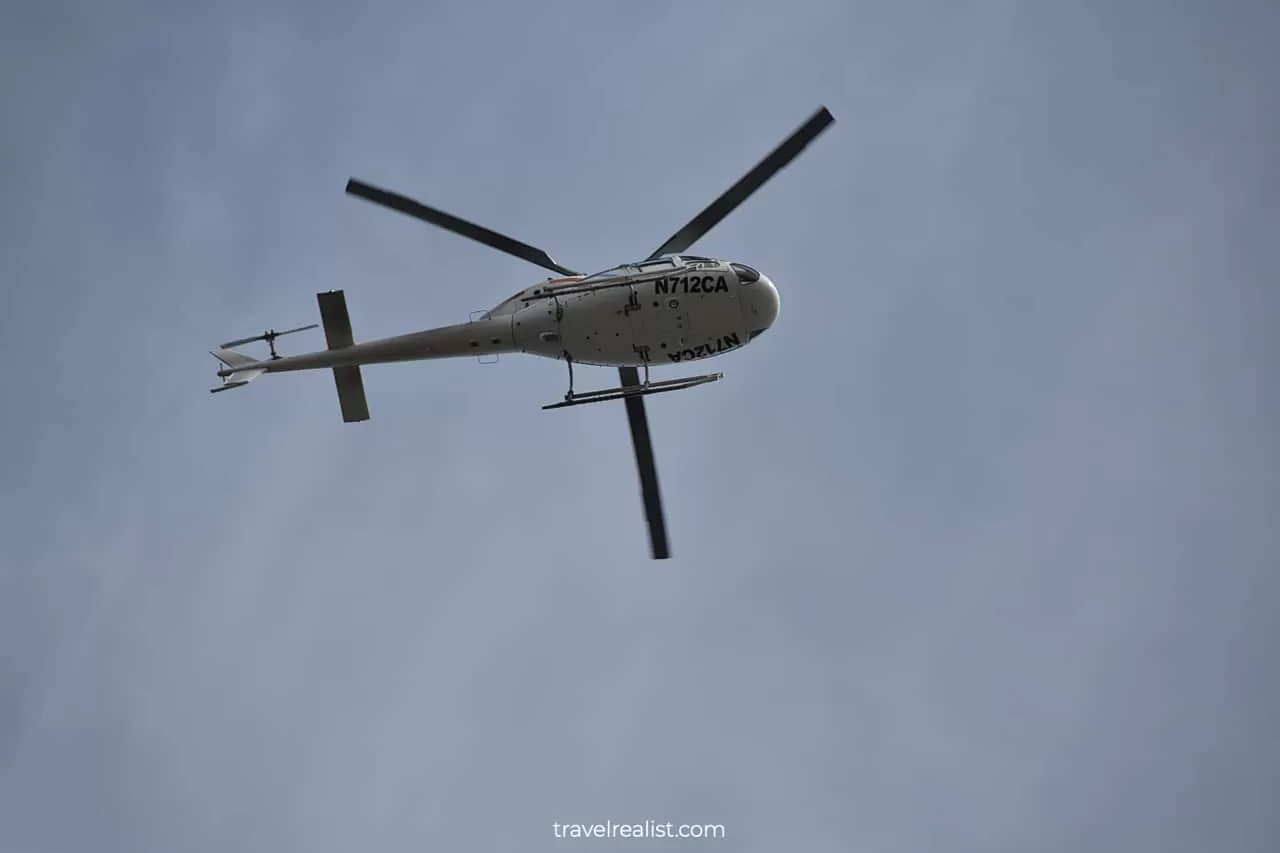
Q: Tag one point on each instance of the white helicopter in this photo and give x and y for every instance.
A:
(670, 308)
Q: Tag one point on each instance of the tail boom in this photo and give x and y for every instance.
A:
(489, 336)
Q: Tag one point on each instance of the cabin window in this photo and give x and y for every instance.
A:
(614, 272)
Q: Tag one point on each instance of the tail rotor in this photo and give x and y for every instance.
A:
(270, 337)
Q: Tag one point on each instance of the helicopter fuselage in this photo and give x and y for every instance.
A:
(664, 311)
(656, 312)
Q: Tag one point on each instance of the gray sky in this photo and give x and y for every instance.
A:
(975, 551)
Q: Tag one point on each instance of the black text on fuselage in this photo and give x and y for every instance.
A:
(691, 284)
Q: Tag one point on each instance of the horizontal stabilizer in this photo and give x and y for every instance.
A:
(231, 358)
(239, 369)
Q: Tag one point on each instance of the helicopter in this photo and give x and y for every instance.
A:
(669, 308)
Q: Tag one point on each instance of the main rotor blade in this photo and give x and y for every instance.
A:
(649, 494)
(480, 234)
(778, 159)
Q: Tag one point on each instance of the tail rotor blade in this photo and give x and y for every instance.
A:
(461, 227)
(299, 329)
(777, 160)
(239, 341)
(648, 471)
(269, 335)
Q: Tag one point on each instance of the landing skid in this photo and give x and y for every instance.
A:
(644, 390)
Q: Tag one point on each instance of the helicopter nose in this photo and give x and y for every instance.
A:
(760, 305)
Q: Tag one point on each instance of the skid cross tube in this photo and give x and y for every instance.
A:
(607, 394)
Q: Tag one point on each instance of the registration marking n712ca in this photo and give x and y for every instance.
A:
(691, 284)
